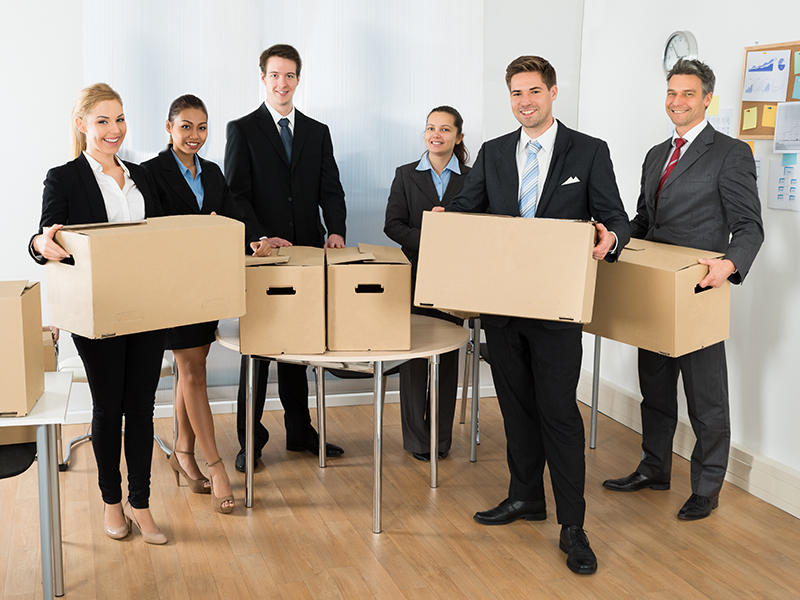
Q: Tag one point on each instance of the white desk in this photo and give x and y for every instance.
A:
(429, 339)
(50, 410)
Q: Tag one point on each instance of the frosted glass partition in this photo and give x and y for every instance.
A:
(371, 71)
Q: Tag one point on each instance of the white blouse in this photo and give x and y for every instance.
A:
(126, 204)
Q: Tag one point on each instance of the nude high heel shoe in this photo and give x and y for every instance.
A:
(217, 502)
(116, 533)
(149, 537)
(196, 485)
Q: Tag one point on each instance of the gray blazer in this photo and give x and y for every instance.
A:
(710, 200)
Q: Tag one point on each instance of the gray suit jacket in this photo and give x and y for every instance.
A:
(710, 200)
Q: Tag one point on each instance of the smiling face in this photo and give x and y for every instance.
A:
(532, 102)
(104, 126)
(441, 134)
(189, 130)
(281, 79)
(686, 105)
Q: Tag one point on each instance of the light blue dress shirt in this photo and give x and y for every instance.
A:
(439, 181)
(195, 183)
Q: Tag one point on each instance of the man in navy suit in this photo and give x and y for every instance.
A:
(543, 170)
(698, 190)
(281, 162)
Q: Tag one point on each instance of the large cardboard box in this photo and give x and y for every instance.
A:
(369, 298)
(533, 268)
(285, 303)
(650, 298)
(133, 277)
(21, 356)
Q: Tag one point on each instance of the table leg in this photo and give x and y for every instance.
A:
(45, 510)
(433, 361)
(595, 391)
(377, 475)
(249, 454)
(475, 431)
(321, 415)
(55, 512)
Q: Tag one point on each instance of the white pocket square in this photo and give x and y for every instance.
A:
(571, 180)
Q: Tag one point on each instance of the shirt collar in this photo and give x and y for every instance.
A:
(183, 168)
(692, 134)
(98, 168)
(424, 164)
(547, 139)
(276, 116)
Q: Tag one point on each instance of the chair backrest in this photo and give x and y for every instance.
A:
(16, 458)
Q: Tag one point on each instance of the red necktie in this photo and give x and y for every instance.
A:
(673, 160)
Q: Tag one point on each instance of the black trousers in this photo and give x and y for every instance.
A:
(123, 374)
(535, 367)
(293, 392)
(705, 381)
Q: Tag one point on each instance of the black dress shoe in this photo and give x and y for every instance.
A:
(427, 455)
(509, 511)
(312, 445)
(241, 460)
(580, 558)
(636, 481)
(698, 507)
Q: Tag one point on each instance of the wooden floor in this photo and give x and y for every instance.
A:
(309, 534)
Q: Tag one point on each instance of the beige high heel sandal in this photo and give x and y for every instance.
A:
(196, 485)
(149, 537)
(217, 502)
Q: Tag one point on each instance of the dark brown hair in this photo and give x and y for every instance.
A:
(685, 66)
(460, 150)
(281, 51)
(532, 64)
(182, 103)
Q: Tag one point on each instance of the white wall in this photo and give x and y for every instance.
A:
(622, 91)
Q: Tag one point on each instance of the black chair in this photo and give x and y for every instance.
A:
(15, 459)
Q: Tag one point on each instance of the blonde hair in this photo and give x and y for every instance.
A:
(89, 97)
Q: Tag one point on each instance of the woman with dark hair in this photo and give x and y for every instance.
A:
(189, 184)
(123, 371)
(419, 186)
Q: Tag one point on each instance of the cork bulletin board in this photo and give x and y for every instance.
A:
(764, 85)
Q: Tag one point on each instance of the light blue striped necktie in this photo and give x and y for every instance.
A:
(530, 182)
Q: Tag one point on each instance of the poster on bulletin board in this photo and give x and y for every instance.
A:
(771, 75)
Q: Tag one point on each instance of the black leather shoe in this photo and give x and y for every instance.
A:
(312, 445)
(509, 511)
(580, 558)
(636, 481)
(427, 455)
(241, 460)
(698, 507)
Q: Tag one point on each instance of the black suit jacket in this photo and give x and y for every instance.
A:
(710, 200)
(412, 194)
(177, 197)
(286, 198)
(71, 197)
(493, 185)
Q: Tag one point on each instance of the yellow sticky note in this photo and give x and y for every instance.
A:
(713, 108)
(768, 119)
(752, 145)
(750, 118)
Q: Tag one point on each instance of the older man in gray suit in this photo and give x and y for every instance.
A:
(698, 189)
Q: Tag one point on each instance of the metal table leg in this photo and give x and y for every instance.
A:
(595, 392)
(377, 475)
(249, 435)
(321, 415)
(468, 351)
(46, 529)
(433, 420)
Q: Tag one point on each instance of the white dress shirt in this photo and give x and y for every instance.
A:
(689, 136)
(545, 155)
(276, 116)
(126, 204)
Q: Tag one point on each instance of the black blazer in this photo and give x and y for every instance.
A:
(412, 194)
(71, 196)
(286, 198)
(177, 197)
(493, 185)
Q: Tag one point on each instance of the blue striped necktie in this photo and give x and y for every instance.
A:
(530, 182)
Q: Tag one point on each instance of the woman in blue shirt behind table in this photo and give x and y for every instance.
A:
(123, 371)
(189, 184)
(417, 187)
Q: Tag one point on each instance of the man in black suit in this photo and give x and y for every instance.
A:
(281, 162)
(544, 170)
(698, 190)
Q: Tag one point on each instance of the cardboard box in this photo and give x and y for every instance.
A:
(650, 299)
(49, 347)
(490, 264)
(134, 277)
(21, 357)
(369, 298)
(285, 303)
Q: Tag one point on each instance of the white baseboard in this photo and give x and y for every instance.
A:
(763, 477)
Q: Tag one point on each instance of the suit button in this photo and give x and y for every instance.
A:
(290, 198)
(291, 224)
(658, 225)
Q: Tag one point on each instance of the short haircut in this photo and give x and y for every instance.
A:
(532, 64)
(685, 66)
(281, 51)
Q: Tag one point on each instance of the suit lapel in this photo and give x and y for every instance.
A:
(299, 135)
(267, 125)
(175, 180)
(656, 168)
(506, 166)
(698, 147)
(452, 189)
(93, 194)
(212, 190)
(560, 148)
(424, 183)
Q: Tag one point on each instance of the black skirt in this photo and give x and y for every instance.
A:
(191, 336)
